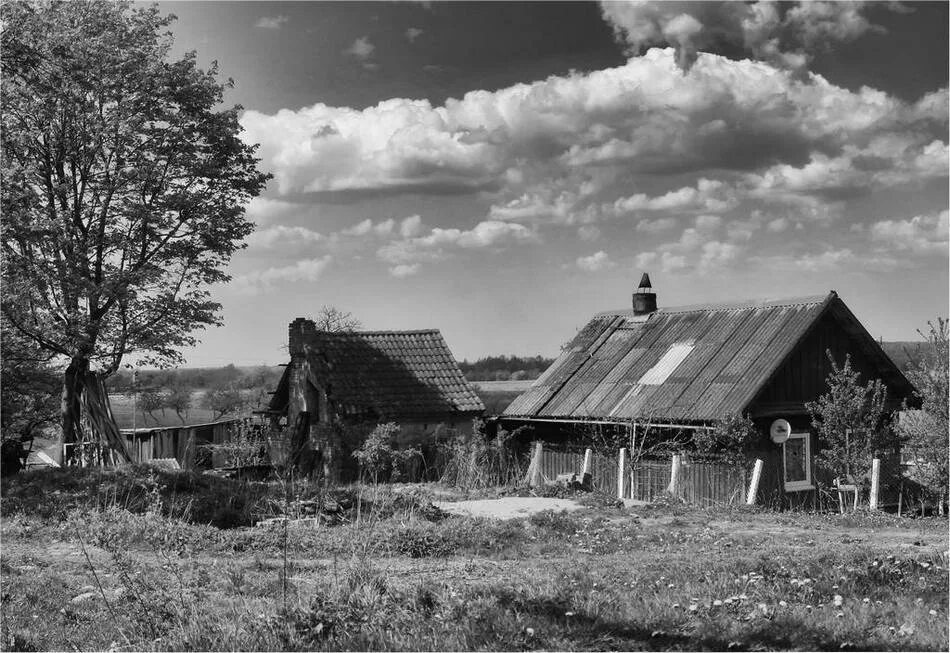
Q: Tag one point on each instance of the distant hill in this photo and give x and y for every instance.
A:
(505, 368)
(902, 352)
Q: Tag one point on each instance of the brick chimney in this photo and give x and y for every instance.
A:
(644, 299)
(300, 330)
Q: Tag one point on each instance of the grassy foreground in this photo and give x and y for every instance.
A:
(131, 560)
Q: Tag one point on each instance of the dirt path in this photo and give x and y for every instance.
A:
(508, 507)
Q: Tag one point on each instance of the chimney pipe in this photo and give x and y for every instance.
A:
(644, 299)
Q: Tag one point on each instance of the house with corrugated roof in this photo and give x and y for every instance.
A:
(685, 368)
(366, 378)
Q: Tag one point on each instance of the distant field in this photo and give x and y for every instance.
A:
(502, 386)
(122, 409)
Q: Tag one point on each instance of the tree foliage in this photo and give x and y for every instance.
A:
(925, 431)
(123, 186)
(850, 420)
(222, 400)
(30, 388)
(731, 440)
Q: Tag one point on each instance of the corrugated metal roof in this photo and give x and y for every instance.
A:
(734, 349)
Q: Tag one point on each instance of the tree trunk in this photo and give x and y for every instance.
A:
(71, 407)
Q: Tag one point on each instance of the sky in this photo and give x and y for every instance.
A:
(502, 171)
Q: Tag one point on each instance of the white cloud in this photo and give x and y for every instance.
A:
(595, 262)
(303, 270)
(280, 235)
(922, 234)
(271, 22)
(657, 226)
(402, 271)
(361, 49)
(438, 242)
(413, 33)
(383, 228)
(757, 27)
(646, 116)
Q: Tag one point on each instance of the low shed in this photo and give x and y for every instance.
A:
(688, 367)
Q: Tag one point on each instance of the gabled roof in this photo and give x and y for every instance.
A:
(393, 374)
(691, 363)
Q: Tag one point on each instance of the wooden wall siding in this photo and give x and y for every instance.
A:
(803, 377)
(182, 443)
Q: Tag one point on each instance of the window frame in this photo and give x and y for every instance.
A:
(806, 484)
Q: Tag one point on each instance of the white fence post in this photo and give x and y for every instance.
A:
(621, 472)
(535, 478)
(754, 483)
(675, 466)
(875, 483)
(587, 459)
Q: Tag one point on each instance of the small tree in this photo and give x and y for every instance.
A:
(221, 400)
(149, 401)
(730, 441)
(850, 420)
(178, 398)
(333, 320)
(925, 433)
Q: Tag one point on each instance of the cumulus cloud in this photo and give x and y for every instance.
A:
(922, 234)
(402, 271)
(362, 49)
(758, 29)
(302, 270)
(280, 235)
(271, 22)
(439, 242)
(646, 116)
(699, 247)
(595, 262)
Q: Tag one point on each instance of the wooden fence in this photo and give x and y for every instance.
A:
(701, 482)
(187, 444)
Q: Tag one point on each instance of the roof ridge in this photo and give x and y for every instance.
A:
(385, 332)
(742, 304)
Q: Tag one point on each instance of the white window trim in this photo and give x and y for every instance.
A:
(798, 486)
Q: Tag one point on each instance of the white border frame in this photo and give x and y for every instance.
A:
(798, 486)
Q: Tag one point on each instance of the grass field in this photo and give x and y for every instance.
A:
(133, 560)
(122, 410)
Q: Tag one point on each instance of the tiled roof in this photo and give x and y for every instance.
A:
(392, 373)
(691, 363)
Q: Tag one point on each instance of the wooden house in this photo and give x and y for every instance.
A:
(366, 378)
(685, 368)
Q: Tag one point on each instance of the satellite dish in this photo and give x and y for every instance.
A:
(780, 430)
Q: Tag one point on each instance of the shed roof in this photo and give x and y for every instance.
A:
(395, 374)
(690, 363)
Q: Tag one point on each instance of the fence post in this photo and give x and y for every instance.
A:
(754, 483)
(535, 478)
(875, 483)
(621, 472)
(675, 474)
(586, 469)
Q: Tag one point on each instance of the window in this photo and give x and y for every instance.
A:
(796, 461)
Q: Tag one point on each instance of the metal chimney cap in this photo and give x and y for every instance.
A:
(645, 281)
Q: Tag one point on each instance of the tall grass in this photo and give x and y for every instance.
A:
(475, 461)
